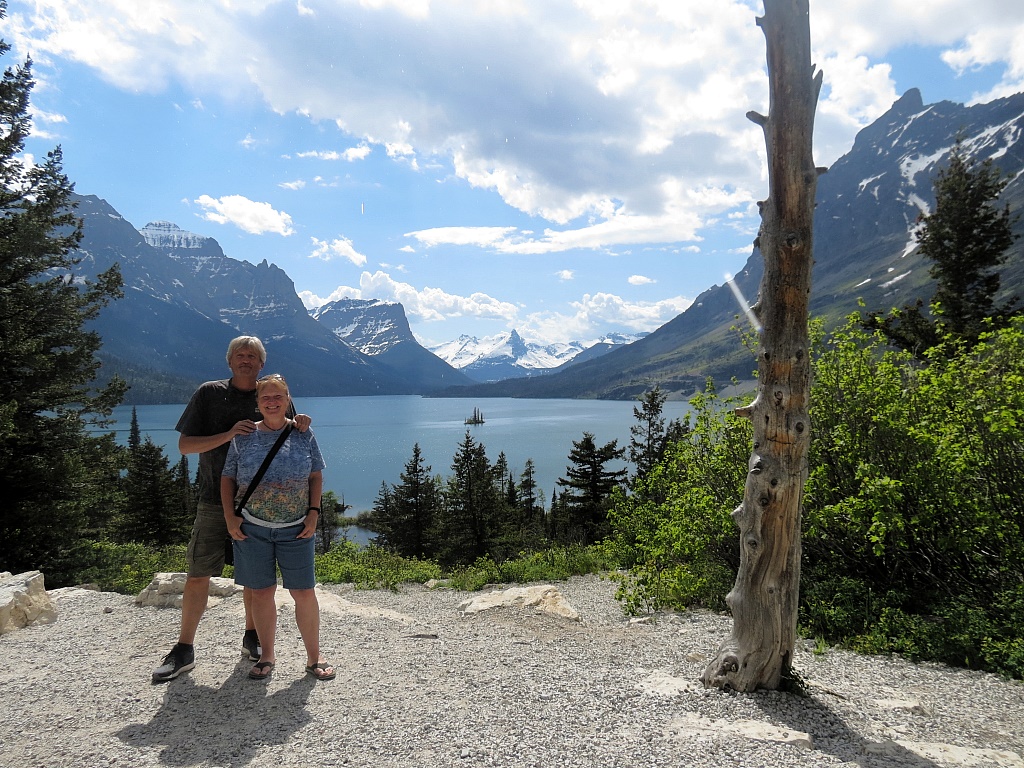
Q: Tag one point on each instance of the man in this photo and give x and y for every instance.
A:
(218, 411)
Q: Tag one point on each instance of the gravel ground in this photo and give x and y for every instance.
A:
(420, 684)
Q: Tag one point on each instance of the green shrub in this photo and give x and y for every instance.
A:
(371, 567)
(553, 564)
(128, 568)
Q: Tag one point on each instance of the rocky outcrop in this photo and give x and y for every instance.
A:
(23, 601)
(164, 591)
(544, 599)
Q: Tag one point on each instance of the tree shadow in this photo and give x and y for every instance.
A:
(226, 726)
(836, 738)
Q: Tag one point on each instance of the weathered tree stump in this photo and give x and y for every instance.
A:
(764, 600)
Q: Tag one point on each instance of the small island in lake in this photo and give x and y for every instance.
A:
(476, 418)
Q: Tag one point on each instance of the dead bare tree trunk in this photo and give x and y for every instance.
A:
(764, 601)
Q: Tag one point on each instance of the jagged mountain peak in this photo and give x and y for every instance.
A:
(509, 355)
(167, 235)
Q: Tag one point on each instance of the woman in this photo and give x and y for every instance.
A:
(277, 526)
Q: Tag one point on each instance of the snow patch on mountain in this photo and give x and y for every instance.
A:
(507, 355)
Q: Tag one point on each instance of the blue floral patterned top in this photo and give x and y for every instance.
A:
(282, 497)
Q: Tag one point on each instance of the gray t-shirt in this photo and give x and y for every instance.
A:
(214, 408)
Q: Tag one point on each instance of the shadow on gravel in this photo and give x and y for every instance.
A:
(224, 726)
(836, 738)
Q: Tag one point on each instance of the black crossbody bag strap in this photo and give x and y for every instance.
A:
(263, 469)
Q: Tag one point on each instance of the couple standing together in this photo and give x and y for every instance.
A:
(233, 424)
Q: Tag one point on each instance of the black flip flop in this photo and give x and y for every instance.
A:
(260, 666)
(321, 666)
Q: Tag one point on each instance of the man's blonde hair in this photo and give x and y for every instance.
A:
(247, 342)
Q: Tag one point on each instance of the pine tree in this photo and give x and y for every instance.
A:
(647, 436)
(134, 433)
(155, 512)
(589, 485)
(48, 360)
(327, 524)
(967, 239)
(414, 501)
(469, 521)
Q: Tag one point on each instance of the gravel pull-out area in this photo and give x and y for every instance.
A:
(421, 684)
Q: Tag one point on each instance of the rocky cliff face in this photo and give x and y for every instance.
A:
(868, 205)
(185, 299)
(380, 330)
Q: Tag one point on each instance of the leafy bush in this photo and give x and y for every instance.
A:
(128, 568)
(371, 567)
(912, 515)
(675, 533)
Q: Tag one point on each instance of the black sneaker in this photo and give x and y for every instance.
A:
(181, 659)
(251, 645)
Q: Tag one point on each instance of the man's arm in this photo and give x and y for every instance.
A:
(201, 444)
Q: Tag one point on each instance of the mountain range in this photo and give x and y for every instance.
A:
(509, 356)
(185, 298)
(868, 204)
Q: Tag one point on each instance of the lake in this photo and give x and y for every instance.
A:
(368, 440)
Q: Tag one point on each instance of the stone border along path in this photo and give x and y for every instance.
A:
(423, 682)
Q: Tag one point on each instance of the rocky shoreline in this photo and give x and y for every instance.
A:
(423, 682)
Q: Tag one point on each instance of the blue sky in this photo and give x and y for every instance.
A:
(563, 168)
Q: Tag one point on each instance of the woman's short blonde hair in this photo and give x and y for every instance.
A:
(247, 342)
(273, 380)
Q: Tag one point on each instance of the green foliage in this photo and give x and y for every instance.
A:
(649, 437)
(553, 564)
(127, 568)
(912, 516)
(405, 514)
(157, 509)
(329, 520)
(372, 567)
(967, 239)
(47, 358)
(588, 485)
(674, 532)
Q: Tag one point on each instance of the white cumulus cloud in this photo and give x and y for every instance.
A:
(339, 248)
(248, 215)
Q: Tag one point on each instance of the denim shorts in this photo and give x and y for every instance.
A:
(205, 553)
(258, 557)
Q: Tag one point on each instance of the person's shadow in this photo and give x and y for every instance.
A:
(198, 724)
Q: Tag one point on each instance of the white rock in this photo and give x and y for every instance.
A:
(165, 590)
(23, 601)
(544, 598)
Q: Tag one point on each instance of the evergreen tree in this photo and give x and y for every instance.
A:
(327, 524)
(589, 485)
(47, 357)
(134, 433)
(967, 239)
(154, 513)
(530, 508)
(380, 515)
(415, 501)
(186, 491)
(468, 524)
